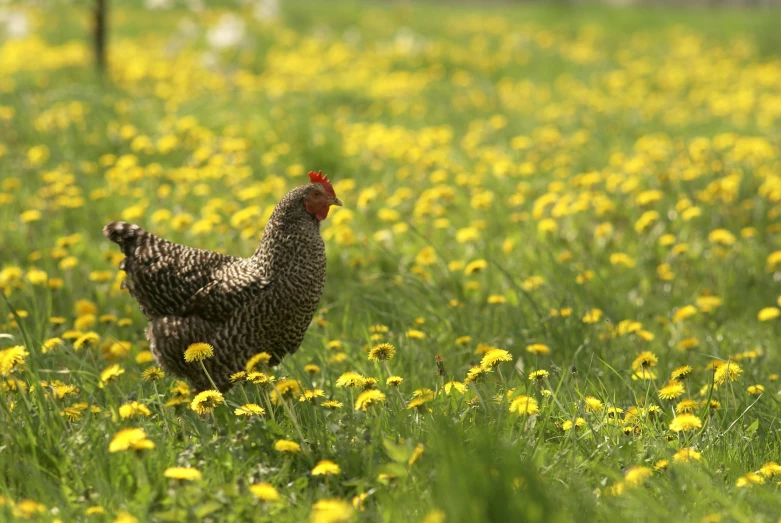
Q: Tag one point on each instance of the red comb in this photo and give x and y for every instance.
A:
(318, 177)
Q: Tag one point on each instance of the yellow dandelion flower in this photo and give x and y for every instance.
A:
(685, 422)
(250, 409)
(672, 390)
(394, 381)
(524, 406)
(326, 468)
(312, 369)
(769, 313)
(454, 385)
(130, 439)
(285, 389)
(260, 359)
(311, 395)
(721, 236)
(264, 492)
(756, 390)
(620, 258)
(350, 379)
(332, 404)
(285, 446)
(475, 266)
(182, 473)
(644, 360)
(773, 259)
(749, 480)
(125, 517)
(685, 455)
(593, 404)
(29, 509)
(424, 393)
(180, 388)
(475, 374)
(331, 511)
(416, 453)
(681, 372)
(616, 489)
(636, 476)
(569, 424)
(725, 372)
(206, 401)
(712, 404)
(369, 398)
(770, 469)
(382, 352)
(31, 215)
(538, 348)
(686, 406)
(708, 303)
(84, 322)
(198, 352)
(661, 465)
(259, 378)
(50, 344)
(84, 307)
(418, 402)
(688, 343)
(238, 376)
(111, 373)
(153, 374)
(134, 408)
(74, 412)
(145, 356)
(592, 316)
(416, 334)
(494, 357)
(684, 312)
(12, 359)
(426, 256)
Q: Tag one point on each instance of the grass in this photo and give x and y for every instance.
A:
(592, 193)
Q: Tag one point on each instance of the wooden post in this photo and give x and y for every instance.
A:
(100, 36)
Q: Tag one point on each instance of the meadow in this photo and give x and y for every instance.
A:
(552, 293)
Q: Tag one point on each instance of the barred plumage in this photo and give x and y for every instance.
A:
(240, 306)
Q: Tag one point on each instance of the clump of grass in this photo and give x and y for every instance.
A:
(551, 292)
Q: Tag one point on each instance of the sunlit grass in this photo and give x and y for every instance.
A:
(552, 291)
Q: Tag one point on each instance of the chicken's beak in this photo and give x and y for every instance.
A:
(336, 201)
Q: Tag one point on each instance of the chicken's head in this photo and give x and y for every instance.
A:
(320, 196)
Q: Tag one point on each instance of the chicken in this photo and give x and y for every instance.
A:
(240, 306)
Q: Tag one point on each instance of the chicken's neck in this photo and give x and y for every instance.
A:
(291, 241)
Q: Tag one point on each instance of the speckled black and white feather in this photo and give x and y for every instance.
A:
(241, 306)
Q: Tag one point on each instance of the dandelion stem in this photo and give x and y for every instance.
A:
(208, 376)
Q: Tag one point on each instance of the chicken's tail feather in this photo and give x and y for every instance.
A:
(123, 234)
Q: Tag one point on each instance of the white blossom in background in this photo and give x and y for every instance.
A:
(154, 5)
(266, 10)
(14, 24)
(405, 40)
(228, 32)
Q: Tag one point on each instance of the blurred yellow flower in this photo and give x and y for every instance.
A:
(265, 492)
(130, 439)
(326, 468)
(182, 473)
